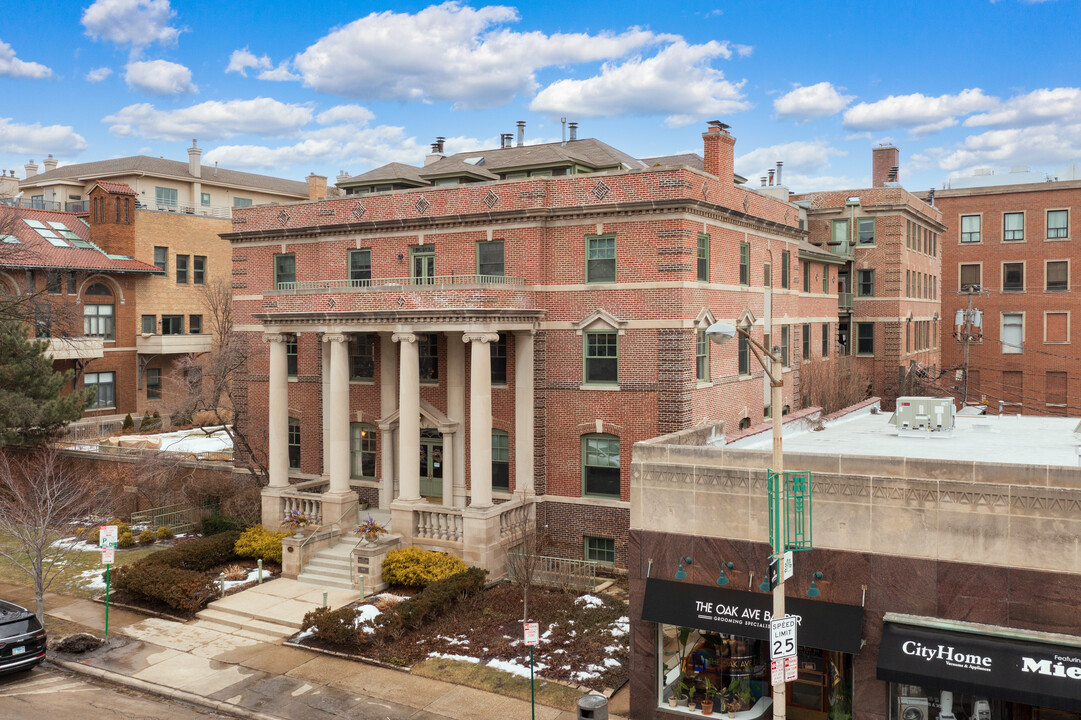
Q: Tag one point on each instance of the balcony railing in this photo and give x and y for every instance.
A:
(218, 211)
(436, 282)
(76, 348)
(77, 206)
(32, 203)
(172, 344)
(844, 301)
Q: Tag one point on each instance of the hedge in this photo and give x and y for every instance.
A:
(200, 554)
(258, 542)
(183, 590)
(435, 600)
(337, 627)
(418, 568)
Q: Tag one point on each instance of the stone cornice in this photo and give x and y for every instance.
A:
(341, 320)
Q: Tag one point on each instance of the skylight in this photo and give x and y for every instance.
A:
(48, 234)
(36, 224)
(474, 160)
(10, 239)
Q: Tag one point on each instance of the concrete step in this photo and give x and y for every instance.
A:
(330, 563)
(341, 550)
(246, 621)
(325, 580)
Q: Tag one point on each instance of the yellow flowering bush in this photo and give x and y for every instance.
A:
(418, 568)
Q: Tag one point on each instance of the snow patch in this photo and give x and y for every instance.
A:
(513, 668)
(93, 579)
(460, 658)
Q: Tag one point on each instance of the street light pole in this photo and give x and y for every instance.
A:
(720, 333)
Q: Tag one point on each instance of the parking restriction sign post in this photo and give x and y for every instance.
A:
(107, 541)
(532, 637)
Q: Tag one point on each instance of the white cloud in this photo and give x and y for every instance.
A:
(1034, 108)
(213, 119)
(159, 77)
(131, 22)
(802, 160)
(241, 60)
(811, 101)
(280, 73)
(98, 74)
(345, 114)
(37, 139)
(13, 67)
(916, 110)
(743, 50)
(678, 80)
(1049, 144)
(449, 52)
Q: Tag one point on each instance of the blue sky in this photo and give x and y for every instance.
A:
(291, 88)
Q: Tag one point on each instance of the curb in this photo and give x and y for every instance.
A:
(162, 690)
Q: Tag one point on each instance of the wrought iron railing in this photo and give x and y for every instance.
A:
(564, 573)
(396, 284)
(179, 518)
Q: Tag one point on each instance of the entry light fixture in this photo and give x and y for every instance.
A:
(722, 579)
(813, 591)
(680, 573)
(764, 587)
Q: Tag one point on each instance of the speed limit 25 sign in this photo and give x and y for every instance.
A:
(782, 637)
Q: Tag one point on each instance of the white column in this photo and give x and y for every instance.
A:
(456, 412)
(278, 422)
(409, 417)
(339, 412)
(448, 469)
(523, 413)
(325, 369)
(480, 418)
(388, 403)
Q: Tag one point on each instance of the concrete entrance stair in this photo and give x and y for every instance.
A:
(273, 610)
(330, 567)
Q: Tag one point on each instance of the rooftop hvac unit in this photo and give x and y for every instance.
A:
(924, 416)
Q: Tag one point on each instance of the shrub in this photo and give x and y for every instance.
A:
(258, 542)
(418, 568)
(165, 533)
(215, 524)
(125, 539)
(337, 627)
(183, 590)
(128, 425)
(434, 600)
(146, 537)
(200, 554)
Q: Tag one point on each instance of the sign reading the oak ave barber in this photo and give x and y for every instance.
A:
(1022, 671)
(822, 625)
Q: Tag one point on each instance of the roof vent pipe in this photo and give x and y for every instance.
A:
(771, 177)
(574, 131)
(779, 164)
(563, 121)
(440, 141)
(764, 181)
(521, 133)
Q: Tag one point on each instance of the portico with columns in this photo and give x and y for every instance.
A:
(464, 517)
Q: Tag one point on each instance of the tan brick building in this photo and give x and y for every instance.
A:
(1014, 248)
(889, 284)
(479, 346)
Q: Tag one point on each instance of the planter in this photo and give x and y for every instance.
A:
(681, 702)
(707, 707)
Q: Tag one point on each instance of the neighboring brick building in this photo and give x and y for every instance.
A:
(1018, 242)
(83, 296)
(889, 284)
(581, 281)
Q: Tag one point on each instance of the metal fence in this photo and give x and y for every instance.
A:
(179, 518)
(558, 572)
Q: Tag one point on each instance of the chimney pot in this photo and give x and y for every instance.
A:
(763, 181)
(521, 133)
(779, 164)
(573, 130)
(195, 165)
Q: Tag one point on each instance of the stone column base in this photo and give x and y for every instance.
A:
(337, 510)
(271, 509)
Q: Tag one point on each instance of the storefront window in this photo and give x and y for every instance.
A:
(912, 702)
(734, 671)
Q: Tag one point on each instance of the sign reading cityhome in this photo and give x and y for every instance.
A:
(822, 625)
(1022, 671)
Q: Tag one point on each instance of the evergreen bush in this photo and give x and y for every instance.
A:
(165, 533)
(146, 537)
(258, 542)
(215, 524)
(418, 568)
(129, 424)
(125, 539)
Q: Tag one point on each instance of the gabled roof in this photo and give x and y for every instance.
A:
(454, 166)
(167, 168)
(114, 188)
(390, 172)
(33, 250)
(689, 159)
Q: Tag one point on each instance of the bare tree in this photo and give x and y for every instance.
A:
(209, 381)
(41, 502)
(833, 385)
(523, 558)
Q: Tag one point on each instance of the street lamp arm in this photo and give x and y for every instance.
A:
(761, 353)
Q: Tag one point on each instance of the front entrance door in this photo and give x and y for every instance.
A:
(423, 264)
(431, 465)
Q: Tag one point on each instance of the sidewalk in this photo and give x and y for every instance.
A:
(231, 670)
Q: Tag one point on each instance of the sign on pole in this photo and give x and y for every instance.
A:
(788, 565)
(532, 633)
(107, 536)
(108, 555)
(782, 637)
(790, 668)
(776, 675)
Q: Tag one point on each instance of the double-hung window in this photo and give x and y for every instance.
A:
(98, 321)
(1013, 277)
(182, 269)
(161, 258)
(701, 356)
(362, 357)
(865, 338)
(198, 269)
(106, 385)
(744, 354)
(600, 258)
(294, 444)
(428, 348)
(970, 276)
(1058, 222)
(825, 340)
(785, 358)
(360, 268)
(490, 259)
(600, 465)
(744, 263)
(1013, 333)
(285, 269)
(153, 383)
(1013, 226)
(1057, 275)
(602, 357)
(703, 257)
(970, 228)
(806, 341)
(498, 354)
(292, 356)
(500, 460)
(865, 282)
(362, 438)
(785, 257)
(866, 229)
(806, 276)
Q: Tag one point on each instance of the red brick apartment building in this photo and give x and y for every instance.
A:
(889, 283)
(82, 296)
(490, 333)
(1014, 246)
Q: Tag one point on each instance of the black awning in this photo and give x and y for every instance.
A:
(822, 625)
(1023, 671)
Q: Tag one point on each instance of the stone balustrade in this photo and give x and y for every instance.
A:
(438, 524)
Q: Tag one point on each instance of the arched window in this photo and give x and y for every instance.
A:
(362, 439)
(600, 465)
(500, 460)
(118, 209)
(98, 315)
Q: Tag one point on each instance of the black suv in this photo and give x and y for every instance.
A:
(22, 639)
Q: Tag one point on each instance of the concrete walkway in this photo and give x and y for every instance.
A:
(248, 673)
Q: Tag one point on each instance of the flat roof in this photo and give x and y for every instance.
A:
(1010, 439)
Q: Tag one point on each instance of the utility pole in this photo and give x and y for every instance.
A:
(969, 323)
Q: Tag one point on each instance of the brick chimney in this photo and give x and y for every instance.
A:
(112, 236)
(317, 187)
(719, 152)
(885, 164)
(195, 165)
(50, 163)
